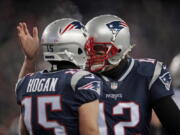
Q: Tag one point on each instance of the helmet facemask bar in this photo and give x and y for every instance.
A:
(98, 54)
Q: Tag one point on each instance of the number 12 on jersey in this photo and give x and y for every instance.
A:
(119, 128)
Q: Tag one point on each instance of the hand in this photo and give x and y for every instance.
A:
(29, 43)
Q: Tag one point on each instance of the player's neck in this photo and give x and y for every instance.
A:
(116, 72)
(66, 67)
(63, 65)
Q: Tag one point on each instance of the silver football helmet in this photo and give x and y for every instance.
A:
(175, 71)
(63, 40)
(110, 35)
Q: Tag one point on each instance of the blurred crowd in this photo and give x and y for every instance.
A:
(154, 26)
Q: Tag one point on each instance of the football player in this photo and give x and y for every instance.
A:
(63, 101)
(132, 87)
(175, 70)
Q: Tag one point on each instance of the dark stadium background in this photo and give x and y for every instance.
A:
(154, 27)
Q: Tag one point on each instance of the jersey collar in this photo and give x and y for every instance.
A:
(127, 71)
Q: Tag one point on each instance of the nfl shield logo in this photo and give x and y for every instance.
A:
(166, 80)
(114, 85)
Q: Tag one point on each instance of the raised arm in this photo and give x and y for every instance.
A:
(30, 46)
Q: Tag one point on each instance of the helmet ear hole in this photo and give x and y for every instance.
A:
(119, 50)
(80, 51)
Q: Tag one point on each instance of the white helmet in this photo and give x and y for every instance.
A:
(63, 40)
(175, 71)
(111, 33)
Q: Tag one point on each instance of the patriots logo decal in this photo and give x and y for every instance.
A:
(94, 85)
(115, 27)
(166, 80)
(73, 25)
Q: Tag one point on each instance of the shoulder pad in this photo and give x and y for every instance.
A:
(157, 72)
(18, 83)
(76, 77)
(145, 67)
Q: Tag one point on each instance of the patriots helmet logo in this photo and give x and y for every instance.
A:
(166, 80)
(94, 85)
(73, 25)
(115, 27)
